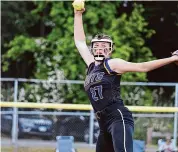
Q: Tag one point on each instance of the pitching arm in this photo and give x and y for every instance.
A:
(79, 38)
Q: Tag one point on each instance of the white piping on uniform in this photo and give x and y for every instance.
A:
(123, 127)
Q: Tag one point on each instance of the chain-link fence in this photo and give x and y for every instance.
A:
(45, 124)
(42, 126)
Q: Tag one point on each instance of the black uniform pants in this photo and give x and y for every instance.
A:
(116, 130)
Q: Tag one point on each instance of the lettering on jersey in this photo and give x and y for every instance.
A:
(95, 77)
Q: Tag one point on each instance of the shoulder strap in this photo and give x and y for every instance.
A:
(90, 67)
(107, 67)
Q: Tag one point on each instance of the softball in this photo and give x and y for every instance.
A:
(78, 5)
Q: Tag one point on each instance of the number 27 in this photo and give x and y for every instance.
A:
(96, 89)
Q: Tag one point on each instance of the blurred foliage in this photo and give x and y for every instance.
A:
(16, 19)
(162, 125)
(137, 95)
(55, 51)
(140, 133)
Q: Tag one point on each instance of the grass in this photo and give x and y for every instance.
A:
(83, 149)
(25, 149)
(86, 149)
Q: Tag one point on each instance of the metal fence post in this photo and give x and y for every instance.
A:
(15, 115)
(91, 127)
(176, 115)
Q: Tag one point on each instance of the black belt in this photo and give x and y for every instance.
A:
(108, 110)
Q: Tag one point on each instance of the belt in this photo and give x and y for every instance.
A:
(107, 110)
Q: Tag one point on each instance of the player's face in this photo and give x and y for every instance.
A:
(101, 48)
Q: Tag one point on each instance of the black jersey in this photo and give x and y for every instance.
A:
(102, 86)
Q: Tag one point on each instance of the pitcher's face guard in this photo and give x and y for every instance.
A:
(101, 50)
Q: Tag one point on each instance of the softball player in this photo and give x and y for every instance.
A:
(102, 85)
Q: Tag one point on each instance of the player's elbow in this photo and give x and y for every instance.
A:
(75, 42)
(80, 44)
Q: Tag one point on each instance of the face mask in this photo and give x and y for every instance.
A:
(100, 57)
(107, 51)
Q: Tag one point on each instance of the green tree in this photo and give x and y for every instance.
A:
(14, 22)
(55, 52)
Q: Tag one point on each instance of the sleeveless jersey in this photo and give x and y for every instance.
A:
(102, 86)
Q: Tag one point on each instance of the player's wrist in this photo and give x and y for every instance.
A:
(78, 14)
(174, 58)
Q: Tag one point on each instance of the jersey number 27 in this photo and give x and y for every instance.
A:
(97, 92)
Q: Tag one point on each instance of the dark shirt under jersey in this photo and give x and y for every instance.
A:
(102, 86)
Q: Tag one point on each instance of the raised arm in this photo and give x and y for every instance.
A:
(79, 37)
(122, 66)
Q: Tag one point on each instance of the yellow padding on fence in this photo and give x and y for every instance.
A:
(83, 107)
(46, 105)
